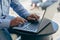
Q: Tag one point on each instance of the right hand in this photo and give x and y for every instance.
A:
(17, 20)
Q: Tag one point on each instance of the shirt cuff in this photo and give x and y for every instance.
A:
(5, 23)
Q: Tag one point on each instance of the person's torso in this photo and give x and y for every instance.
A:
(4, 7)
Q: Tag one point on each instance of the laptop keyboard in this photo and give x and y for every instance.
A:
(27, 27)
(32, 27)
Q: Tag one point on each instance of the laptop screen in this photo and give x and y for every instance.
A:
(49, 14)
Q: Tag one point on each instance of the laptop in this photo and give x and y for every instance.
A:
(36, 27)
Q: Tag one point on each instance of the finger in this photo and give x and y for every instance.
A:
(37, 17)
(25, 20)
(31, 15)
(29, 18)
(20, 23)
(20, 20)
(17, 22)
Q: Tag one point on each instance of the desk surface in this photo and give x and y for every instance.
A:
(50, 29)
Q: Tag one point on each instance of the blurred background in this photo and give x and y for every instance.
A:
(27, 5)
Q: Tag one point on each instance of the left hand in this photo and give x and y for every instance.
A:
(33, 17)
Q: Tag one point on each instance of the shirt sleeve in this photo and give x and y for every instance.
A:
(5, 23)
(19, 9)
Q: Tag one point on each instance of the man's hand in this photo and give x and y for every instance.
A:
(33, 17)
(17, 20)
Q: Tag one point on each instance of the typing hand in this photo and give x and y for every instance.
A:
(33, 17)
(17, 21)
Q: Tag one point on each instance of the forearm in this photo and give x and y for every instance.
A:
(19, 9)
